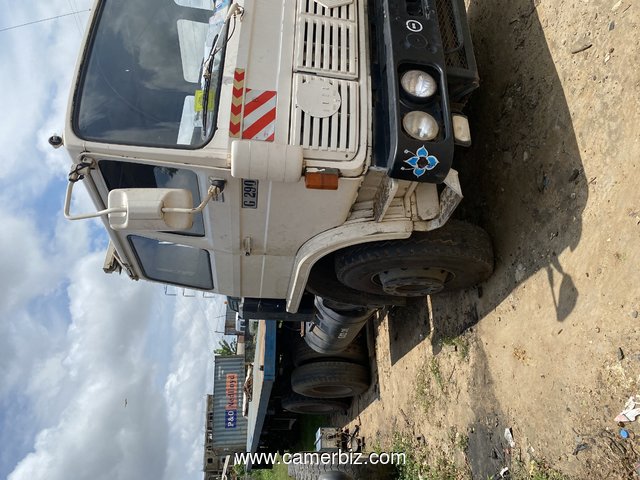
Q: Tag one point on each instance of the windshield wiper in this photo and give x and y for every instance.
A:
(206, 87)
(207, 65)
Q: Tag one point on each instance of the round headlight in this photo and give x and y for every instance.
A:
(420, 125)
(418, 83)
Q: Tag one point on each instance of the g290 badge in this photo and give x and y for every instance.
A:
(420, 162)
(249, 193)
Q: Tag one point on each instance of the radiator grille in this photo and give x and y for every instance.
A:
(455, 54)
(326, 40)
(337, 133)
(346, 12)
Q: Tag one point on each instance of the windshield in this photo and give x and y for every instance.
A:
(141, 82)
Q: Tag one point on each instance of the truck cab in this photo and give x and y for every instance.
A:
(305, 130)
(296, 156)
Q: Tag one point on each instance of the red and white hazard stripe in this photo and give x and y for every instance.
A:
(259, 122)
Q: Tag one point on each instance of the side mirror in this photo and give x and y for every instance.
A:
(156, 209)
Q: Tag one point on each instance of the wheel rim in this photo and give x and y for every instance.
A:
(413, 282)
(309, 406)
(331, 391)
(315, 408)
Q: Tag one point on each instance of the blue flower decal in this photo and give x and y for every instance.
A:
(421, 161)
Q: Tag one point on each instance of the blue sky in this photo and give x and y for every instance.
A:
(74, 342)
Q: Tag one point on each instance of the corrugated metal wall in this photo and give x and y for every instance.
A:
(229, 426)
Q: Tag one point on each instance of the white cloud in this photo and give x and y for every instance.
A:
(82, 388)
(192, 369)
(78, 388)
(23, 341)
(74, 342)
(23, 263)
(34, 261)
(40, 59)
(34, 267)
(98, 438)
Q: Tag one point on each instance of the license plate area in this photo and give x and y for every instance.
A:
(249, 193)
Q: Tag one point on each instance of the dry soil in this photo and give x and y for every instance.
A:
(549, 345)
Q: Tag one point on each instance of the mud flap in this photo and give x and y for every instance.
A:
(450, 198)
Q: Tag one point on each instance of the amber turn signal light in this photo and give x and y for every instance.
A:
(321, 178)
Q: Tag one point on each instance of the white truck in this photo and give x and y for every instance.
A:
(316, 135)
(294, 155)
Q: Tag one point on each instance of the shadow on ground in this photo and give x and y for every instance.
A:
(523, 178)
(524, 182)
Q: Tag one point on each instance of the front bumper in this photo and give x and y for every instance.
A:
(428, 35)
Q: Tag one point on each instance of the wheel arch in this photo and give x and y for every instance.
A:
(336, 239)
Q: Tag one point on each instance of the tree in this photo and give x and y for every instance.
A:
(226, 348)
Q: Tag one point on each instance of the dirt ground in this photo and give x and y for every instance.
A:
(550, 345)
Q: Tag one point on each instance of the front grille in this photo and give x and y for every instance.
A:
(346, 12)
(337, 133)
(326, 40)
(452, 39)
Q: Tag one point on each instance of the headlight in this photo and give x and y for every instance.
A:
(418, 83)
(420, 125)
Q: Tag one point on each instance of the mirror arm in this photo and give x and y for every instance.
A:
(67, 207)
(212, 192)
(215, 189)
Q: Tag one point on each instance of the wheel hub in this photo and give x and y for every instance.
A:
(413, 282)
(332, 391)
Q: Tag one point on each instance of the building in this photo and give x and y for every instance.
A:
(212, 465)
(230, 323)
(225, 427)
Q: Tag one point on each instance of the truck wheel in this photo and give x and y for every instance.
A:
(314, 406)
(356, 352)
(330, 379)
(360, 472)
(335, 475)
(457, 255)
(344, 471)
(323, 283)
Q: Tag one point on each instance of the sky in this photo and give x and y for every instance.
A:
(76, 343)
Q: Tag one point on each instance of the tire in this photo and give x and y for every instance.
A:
(335, 475)
(330, 380)
(314, 406)
(356, 352)
(341, 471)
(455, 256)
(323, 283)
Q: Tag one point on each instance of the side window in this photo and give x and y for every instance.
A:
(169, 262)
(138, 175)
